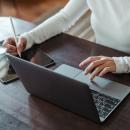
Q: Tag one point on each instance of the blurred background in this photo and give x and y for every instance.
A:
(30, 10)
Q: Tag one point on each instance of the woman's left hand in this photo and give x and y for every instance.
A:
(98, 65)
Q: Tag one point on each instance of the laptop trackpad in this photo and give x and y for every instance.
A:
(68, 71)
(105, 86)
(99, 84)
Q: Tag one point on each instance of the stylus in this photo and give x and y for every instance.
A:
(14, 33)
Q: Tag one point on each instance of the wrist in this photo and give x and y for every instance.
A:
(28, 40)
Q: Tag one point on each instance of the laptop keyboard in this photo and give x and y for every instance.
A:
(104, 104)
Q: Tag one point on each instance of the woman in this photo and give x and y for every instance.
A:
(110, 21)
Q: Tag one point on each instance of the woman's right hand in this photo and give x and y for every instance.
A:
(11, 47)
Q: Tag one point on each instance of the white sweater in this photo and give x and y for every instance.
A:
(110, 21)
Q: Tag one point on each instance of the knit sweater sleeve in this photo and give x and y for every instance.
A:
(122, 64)
(56, 24)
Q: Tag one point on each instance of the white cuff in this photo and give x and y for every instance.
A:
(121, 65)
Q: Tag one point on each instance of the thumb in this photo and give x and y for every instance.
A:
(21, 44)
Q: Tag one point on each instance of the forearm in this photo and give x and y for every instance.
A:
(58, 23)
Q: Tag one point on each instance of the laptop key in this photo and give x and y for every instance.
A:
(104, 104)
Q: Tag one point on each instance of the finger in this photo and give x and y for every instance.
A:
(88, 61)
(21, 45)
(9, 41)
(93, 65)
(96, 71)
(5, 44)
(104, 71)
(14, 53)
(10, 48)
(11, 51)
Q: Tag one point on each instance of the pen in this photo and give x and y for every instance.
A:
(14, 33)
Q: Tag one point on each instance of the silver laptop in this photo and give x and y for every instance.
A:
(68, 88)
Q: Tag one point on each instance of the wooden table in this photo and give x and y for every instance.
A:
(41, 115)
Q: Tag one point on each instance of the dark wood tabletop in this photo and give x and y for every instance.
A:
(41, 115)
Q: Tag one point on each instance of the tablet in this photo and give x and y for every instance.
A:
(36, 57)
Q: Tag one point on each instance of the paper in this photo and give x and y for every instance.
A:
(2, 52)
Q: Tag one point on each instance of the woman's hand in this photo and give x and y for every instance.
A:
(11, 48)
(10, 44)
(98, 65)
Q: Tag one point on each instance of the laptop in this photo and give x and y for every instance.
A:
(70, 89)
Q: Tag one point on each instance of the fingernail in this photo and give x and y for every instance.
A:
(100, 75)
(85, 72)
(91, 78)
(80, 65)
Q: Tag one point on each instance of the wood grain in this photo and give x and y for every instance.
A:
(41, 115)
